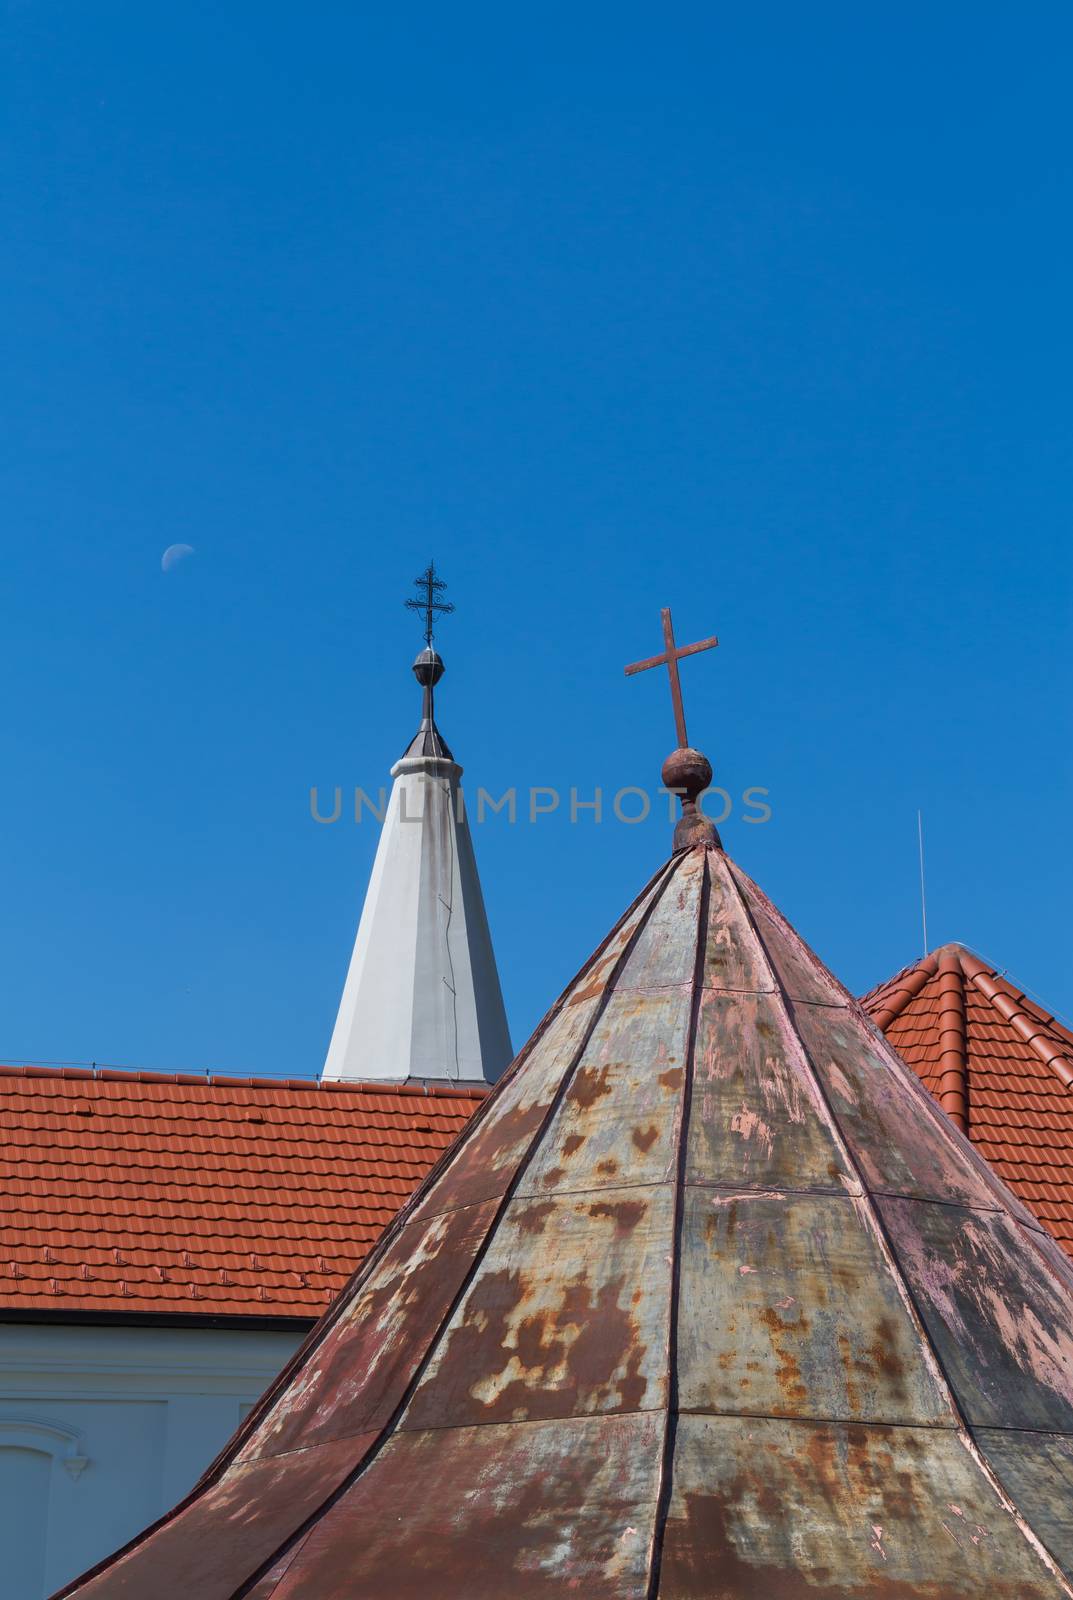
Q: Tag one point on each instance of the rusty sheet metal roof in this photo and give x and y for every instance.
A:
(709, 1300)
(127, 1194)
(999, 1065)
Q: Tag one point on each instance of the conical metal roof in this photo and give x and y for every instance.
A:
(710, 1300)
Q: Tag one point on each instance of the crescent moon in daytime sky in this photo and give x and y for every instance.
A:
(174, 554)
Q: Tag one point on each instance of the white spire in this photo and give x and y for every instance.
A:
(422, 996)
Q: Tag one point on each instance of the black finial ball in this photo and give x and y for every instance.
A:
(428, 668)
(687, 771)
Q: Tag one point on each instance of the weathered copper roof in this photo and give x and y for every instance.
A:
(709, 1300)
(999, 1065)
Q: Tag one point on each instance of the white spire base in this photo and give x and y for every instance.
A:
(422, 996)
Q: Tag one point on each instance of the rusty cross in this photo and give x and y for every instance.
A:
(670, 658)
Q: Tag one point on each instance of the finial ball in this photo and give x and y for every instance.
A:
(687, 771)
(428, 668)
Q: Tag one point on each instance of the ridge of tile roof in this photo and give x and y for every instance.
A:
(33, 1069)
(191, 1195)
(999, 1064)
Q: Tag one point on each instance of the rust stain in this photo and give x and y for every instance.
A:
(883, 1351)
(625, 1214)
(532, 1219)
(561, 1317)
(583, 1352)
(645, 1138)
(589, 1085)
(788, 1369)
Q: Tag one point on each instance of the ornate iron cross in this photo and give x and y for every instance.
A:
(670, 658)
(430, 602)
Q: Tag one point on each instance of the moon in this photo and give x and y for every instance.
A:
(174, 554)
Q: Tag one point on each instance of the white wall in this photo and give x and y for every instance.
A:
(103, 1429)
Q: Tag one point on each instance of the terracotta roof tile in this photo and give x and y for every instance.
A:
(1015, 1063)
(144, 1192)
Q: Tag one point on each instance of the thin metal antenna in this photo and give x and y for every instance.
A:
(923, 896)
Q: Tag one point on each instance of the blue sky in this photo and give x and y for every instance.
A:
(760, 313)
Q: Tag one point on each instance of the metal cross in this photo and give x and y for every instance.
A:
(430, 603)
(670, 659)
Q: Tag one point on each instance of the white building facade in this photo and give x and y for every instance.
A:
(103, 1429)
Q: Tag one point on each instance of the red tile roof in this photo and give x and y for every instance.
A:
(998, 1064)
(168, 1193)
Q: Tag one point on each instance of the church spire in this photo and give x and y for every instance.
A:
(422, 997)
